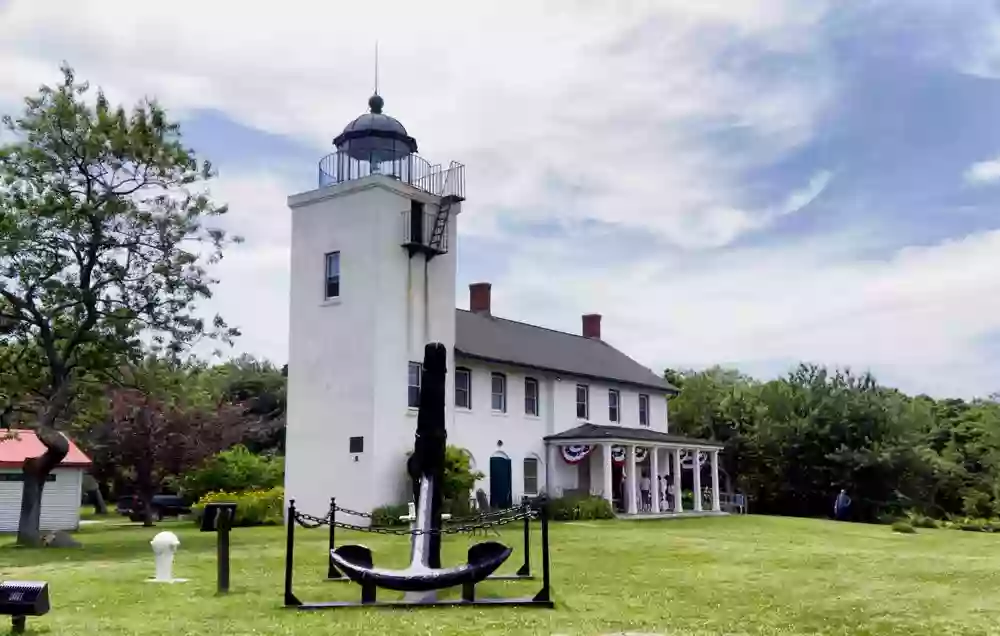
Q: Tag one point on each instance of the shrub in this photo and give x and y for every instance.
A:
(918, 520)
(977, 504)
(234, 470)
(388, 516)
(253, 507)
(458, 481)
(578, 508)
(903, 527)
(886, 519)
(687, 499)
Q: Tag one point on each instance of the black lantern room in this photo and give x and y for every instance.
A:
(375, 137)
(373, 143)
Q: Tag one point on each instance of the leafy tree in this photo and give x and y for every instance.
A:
(156, 430)
(103, 239)
(260, 387)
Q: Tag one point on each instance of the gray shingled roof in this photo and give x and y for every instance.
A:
(595, 432)
(493, 339)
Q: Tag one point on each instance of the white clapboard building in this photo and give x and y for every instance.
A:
(63, 490)
(373, 279)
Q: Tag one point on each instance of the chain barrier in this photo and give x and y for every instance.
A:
(354, 513)
(486, 515)
(309, 521)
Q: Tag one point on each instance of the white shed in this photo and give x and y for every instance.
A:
(62, 493)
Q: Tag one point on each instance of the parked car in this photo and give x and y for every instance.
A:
(163, 506)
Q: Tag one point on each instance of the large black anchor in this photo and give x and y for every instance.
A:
(426, 467)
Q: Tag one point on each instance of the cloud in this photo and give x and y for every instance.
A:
(983, 172)
(660, 144)
(613, 100)
(915, 317)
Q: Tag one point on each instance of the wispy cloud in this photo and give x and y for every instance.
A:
(983, 172)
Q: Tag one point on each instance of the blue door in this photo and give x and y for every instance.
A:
(500, 490)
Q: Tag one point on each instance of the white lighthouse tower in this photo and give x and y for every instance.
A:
(372, 281)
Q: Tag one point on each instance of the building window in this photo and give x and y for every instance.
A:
(530, 396)
(643, 410)
(614, 405)
(530, 476)
(463, 388)
(413, 385)
(498, 391)
(331, 288)
(583, 401)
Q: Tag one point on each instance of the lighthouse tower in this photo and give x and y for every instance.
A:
(372, 281)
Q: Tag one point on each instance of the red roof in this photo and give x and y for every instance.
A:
(14, 451)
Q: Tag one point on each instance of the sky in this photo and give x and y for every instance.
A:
(750, 184)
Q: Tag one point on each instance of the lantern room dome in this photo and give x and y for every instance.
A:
(375, 137)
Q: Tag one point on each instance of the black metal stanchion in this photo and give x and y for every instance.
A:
(525, 569)
(332, 573)
(290, 600)
(544, 595)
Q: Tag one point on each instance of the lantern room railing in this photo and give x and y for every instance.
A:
(414, 170)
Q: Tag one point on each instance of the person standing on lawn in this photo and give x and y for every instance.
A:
(841, 506)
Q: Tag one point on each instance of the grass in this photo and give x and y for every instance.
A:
(736, 575)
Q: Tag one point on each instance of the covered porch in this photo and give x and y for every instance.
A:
(617, 463)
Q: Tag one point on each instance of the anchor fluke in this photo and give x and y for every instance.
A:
(484, 558)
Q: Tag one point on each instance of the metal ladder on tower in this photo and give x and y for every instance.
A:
(444, 211)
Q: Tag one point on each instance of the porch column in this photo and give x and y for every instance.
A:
(696, 467)
(609, 492)
(631, 480)
(715, 481)
(654, 473)
(678, 504)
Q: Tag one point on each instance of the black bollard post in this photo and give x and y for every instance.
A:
(525, 569)
(332, 573)
(544, 595)
(290, 599)
(225, 522)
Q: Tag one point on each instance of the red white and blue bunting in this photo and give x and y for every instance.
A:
(576, 453)
(618, 454)
(687, 458)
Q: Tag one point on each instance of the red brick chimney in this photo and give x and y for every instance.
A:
(592, 326)
(479, 298)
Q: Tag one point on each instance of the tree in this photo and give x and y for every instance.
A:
(261, 387)
(103, 240)
(161, 426)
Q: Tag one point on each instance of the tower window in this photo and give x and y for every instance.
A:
(331, 288)
(413, 385)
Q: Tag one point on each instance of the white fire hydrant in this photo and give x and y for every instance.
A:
(165, 544)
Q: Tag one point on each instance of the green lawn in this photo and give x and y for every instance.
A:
(737, 575)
